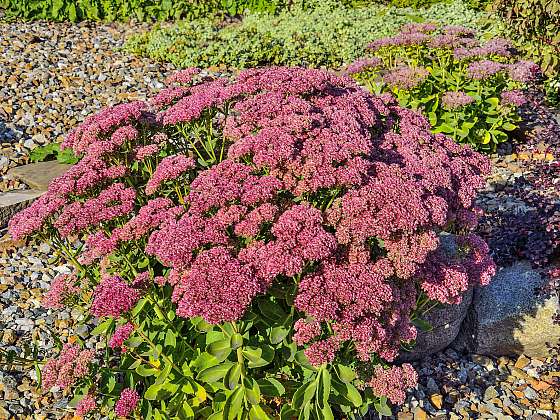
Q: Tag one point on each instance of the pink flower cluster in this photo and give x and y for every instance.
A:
(62, 288)
(71, 364)
(393, 382)
(86, 405)
(513, 97)
(454, 100)
(364, 306)
(364, 64)
(115, 201)
(127, 402)
(112, 297)
(495, 47)
(524, 71)
(218, 287)
(415, 34)
(184, 76)
(405, 77)
(483, 69)
(120, 335)
(169, 168)
(107, 128)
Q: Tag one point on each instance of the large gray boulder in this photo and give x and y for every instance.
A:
(510, 317)
(446, 322)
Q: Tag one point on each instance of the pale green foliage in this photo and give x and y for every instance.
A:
(324, 35)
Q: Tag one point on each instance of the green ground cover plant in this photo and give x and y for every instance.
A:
(468, 90)
(325, 35)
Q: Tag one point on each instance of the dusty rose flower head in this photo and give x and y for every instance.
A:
(120, 335)
(71, 365)
(406, 77)
(112, 297)
(363, 64)
(184, 76)
(62, 288)
(127, 402)
(481, 70)
(146, 151)
(169, 168)
(393, 382)
(454, 100)
(86, 405)
(513, 97)
(524, 71)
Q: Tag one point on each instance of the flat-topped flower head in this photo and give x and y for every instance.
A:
(454, 100)
(127, 402)
(113, 297)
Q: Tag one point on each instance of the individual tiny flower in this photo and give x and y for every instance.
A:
(454, 100)
(63, 287)
(405, 77)
(513, 97)
(120, 335)
(86, 405)
(127, 402)
(113, 297)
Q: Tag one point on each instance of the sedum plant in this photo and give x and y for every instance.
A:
(257, 247)
(468, 90)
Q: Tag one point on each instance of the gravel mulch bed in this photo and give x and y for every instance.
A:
(53, 75)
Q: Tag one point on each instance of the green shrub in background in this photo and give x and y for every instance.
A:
(111, 10)
(468, 90)
(535, 26)
(327, 34)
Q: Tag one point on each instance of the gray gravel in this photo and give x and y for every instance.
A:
(52, 75)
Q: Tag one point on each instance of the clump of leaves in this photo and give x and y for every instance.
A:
(52, 151)
(123, 10)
